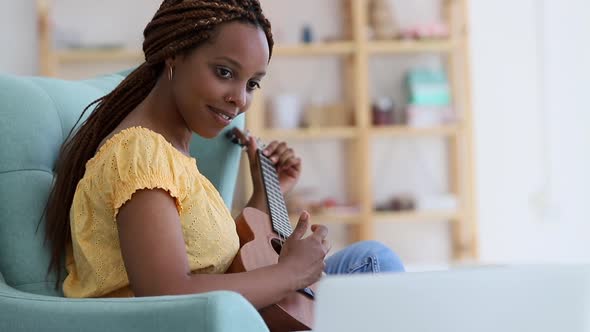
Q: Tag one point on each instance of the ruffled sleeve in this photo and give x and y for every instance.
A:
(137, 159)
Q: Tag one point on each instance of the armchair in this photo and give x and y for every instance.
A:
(36, 115)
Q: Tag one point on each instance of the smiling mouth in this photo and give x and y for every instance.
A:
(221, 113)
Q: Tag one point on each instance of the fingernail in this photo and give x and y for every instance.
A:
(266, 152)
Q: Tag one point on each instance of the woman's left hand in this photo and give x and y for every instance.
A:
(287, 164)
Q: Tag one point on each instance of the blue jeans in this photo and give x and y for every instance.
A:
(364, 257)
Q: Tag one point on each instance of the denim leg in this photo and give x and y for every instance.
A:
(364, 257)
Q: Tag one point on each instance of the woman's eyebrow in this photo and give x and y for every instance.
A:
(237, 64)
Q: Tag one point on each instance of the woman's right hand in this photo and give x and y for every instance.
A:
(304, 257)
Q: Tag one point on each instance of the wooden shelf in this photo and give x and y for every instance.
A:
(416, 216)
(82, 55)
(330, 218)
(409, 216)
(310, 133)
(88, 55)
(351, 132)
(313, 49)
(387, 131)
(402, 46)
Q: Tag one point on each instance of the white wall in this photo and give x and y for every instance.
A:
(18, 37)
(530, 76)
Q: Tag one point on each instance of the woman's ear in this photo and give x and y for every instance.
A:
(171, 62)
(170, 68)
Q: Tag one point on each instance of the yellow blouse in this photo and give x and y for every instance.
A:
(134, 159)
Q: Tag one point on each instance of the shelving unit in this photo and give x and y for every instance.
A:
(359, 137)
(357, 54)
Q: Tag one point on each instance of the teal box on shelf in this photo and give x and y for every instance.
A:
(426, 87)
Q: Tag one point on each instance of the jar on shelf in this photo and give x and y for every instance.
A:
(383, 110)
(285, 112)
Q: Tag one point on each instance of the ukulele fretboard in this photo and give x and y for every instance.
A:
(276, 203)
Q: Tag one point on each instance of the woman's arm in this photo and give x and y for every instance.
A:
(155, 257)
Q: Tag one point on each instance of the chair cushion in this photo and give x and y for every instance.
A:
(36, 115)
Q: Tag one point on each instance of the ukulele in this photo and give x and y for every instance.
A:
(261, 239)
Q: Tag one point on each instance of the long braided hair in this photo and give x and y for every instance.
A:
(178, 27)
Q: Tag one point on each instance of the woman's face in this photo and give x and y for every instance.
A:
(216, 82)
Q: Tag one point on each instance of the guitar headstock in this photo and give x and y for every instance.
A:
(240, 138)
(237, 137)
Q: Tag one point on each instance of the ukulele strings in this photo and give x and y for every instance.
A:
(261, 146)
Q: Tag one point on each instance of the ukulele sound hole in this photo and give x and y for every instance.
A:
(277, 245)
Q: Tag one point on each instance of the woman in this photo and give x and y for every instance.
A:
(141, 219)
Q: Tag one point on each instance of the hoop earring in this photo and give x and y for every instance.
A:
(170, 73)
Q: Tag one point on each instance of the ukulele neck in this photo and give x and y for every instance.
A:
(274, 197)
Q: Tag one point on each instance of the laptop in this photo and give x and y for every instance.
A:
(484, 299)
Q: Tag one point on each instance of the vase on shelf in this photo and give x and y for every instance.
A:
(381, 19)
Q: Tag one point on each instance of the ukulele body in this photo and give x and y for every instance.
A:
(259, 247)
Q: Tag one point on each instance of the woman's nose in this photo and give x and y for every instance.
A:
(238, 98)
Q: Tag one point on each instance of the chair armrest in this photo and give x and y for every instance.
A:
(219, 311)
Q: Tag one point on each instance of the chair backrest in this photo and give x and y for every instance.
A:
(36, 115)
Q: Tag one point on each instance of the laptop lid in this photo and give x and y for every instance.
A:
(486, 299)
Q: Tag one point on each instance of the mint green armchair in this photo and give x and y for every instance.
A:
(36, 115)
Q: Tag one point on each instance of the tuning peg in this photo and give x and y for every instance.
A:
(233, 137)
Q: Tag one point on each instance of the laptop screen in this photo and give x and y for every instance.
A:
(516, 298)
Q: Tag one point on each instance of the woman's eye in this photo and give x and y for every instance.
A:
(253, 85)
(224, 73)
